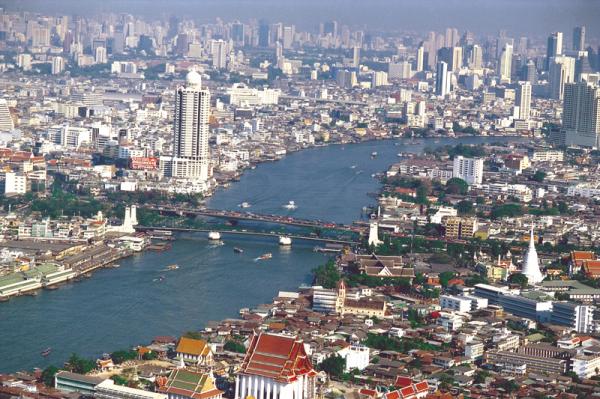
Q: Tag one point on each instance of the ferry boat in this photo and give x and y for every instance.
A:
(265, 256)
(290, 205)
(285, 240)
(238, 250)
(214, 236)
(244, 205)
(46, 352)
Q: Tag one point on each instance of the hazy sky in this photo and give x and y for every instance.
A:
(481, 16)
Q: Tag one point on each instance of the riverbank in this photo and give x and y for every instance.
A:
(122, 307)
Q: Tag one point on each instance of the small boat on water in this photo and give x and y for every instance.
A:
(290, 205)
(46, 352)
(353, 167)
(214, 236)
(172, 267)
(244, 205)
(238, 250)
(265, 256)
(373, 154)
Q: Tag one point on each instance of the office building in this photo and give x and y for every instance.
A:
(554, 47)
(400, 70)
(442, 79)
(288, 36)
(190, 158)
(218, 51)
(6, 120)
(505, 63)
(581, 114)
(561, 71)
(576, 316)
(356, 57)
(420, 59)
(101, 55)
(58, 65)
(379, 78)
(468, 169)
(579, 38)
(264, 34)
(523, 100)
(475, 57)
(456, 58)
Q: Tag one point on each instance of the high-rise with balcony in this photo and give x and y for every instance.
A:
(581, 114)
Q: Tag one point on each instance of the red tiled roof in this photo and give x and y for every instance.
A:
(279, 357)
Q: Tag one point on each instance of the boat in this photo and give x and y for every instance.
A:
(238, 250)
(353, 167)
(214, 235)
(172, 267)
(244, 205)
(46, 352)
(265, 256)
(285, 240)
(373, 154)
(290, 205)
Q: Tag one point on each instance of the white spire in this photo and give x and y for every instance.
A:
(531, 266)
(373, 234)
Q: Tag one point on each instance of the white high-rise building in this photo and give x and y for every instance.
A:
(505, 63)
(561, 71)
(400, 70)
(218, 51)
(523, 100)
(6, 121)
(442, 79)
(531, 266)
(101, 55)
(476, 57)
(190, 158)
(420, 59)
(468, 169)
(379, 78)
(58, 65)
(356, 57)
(581, 114)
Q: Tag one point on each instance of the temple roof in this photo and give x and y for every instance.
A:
(279, 357)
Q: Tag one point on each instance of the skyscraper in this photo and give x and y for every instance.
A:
(531, 266)
(6, 121)
(442, 79)
(581, 114)
(561, 71)
(475, 57)
(356, 57)
(554, 48)
(505, 63)
(420, 58)
(523, 100)
(456, 58)
(579, 38)
(264, 34)
(190, 158)
(530, 72)
(218, 51)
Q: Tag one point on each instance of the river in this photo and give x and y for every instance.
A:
(117, 308)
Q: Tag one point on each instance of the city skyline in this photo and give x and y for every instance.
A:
(530, 17)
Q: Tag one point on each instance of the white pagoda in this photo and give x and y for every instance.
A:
(531, 266)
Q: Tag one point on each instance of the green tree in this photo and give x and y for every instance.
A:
(119, 380)
(539, 176)
(333, 365)
(150, 356)
(518, 278)
(445, 277)
(77, 364)
(121, 356)
(327, 275)
(464, 207)
(48, 375)
(234, 346)
(456, 186)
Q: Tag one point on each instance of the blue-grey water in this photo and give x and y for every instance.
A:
(117, 308)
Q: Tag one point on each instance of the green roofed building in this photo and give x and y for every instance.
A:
(184, 384)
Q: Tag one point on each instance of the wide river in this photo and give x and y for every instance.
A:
(117, 308)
